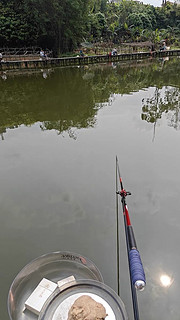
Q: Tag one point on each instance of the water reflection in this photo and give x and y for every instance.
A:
(46, 73)
(163, 60)
(2, 131)
(70, 97)
(65, 189)
(4, 75)
(164, 101)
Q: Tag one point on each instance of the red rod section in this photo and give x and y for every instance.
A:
(126, 213)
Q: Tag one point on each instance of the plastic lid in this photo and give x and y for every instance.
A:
(59, 304)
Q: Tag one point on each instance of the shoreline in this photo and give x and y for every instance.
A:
(85, 60)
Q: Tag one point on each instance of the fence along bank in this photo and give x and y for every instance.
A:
(37, 62)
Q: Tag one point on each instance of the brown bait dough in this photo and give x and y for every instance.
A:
(86, 308)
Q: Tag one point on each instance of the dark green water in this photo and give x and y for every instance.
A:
(60, 135)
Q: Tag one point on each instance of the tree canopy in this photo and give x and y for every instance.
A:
(63, 25)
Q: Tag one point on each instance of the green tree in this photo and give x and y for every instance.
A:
(63, 25)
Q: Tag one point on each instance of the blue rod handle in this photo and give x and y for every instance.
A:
(136, 269)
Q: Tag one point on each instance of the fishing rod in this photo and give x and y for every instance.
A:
(136, 271)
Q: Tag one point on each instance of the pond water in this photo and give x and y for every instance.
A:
(60, 132)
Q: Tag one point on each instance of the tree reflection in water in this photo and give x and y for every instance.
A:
(69, 98)
(164, 101)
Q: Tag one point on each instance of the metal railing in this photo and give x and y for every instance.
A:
(23, 51)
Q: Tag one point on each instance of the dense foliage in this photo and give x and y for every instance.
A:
(64, 24)
(46, 23)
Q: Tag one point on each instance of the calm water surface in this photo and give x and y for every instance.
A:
(60, 132)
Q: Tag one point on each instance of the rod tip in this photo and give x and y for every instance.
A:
(140, 285)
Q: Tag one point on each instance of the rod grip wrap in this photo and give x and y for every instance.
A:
(136, 267)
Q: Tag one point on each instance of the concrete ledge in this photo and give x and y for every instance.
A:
(73, 61)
